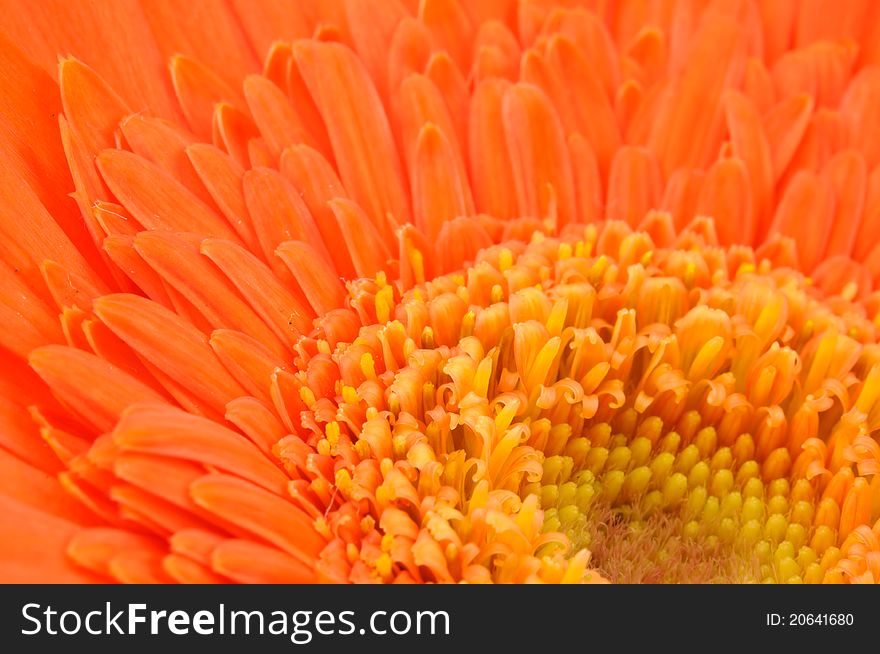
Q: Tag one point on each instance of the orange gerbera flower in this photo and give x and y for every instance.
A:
(443, 292)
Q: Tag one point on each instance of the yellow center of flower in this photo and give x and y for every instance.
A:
(665, 408)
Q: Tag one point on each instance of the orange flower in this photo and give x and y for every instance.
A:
(507, 291)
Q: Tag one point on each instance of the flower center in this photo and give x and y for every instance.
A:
(630, 546)
(666, 408)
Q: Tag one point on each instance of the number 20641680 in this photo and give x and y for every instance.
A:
(809, 619)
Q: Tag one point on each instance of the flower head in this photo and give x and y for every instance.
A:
(482, 292)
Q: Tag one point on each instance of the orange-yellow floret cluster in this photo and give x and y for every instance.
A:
(470, 428)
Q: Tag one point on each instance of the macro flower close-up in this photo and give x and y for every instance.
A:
(429, 291)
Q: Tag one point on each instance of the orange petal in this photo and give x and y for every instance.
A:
(640, 111)
(155, 199)
(247, 360)
(542, 173)
(440, 186)
(90, 105)
(93, 388)
(785, 126)
(155, 514)
(29, 235)
(779, 250)
(115, 219)
(186, 571)
(275, 116)
(276, 63)
(778, 23)
(415, 266)
(222, 177)
(251, 563)
(215, 36)
(316, 180)
(871, 261)
(369, 252)
(684, 131)
(804, 214)
(197, 544)
(256, 421)
(176, 257)
(537, 70)
(587, 30)
(627, 102)
(33, 547)
(453, 87)
(490, 167)
(594, 113)
(144, 325)
(450, 29)
(120, 249)
(29, 143)
(319, 283)
(750, 146)
(41, 492)
(587, 181)
(758, 86)
(856, 509)
(459, 242)
(306, 108)
(169, 431)
(198, 89)
(260, 155)
(88, 185)
(56, 27)
(634, 185)
(368, 162)
(29, 322)
(496, 36)
(408, 52)
(502, 10)
(96, 548)
(647, 55)
(726, 196)
(859, 108)
(824, 136)
(847, 178)
(820, 69)
(284, 313)
(110, 347)
(682, 195)
(823, 19)
(143, 470)
(165, 144)
(660, 227)
(233, 130)
(372, 28)
(72, 320)
(418, 101)
(265, 514)
(17, 436)
(530, 17)
(279, 214)
(869, 229)
(266, 22)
